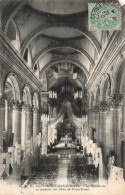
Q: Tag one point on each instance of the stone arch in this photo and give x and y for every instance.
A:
(12, 10)
(12, 85)
(38, 31)
(78, 49)
(51, 63)
(18, 33)
(27, 95)
(13, 34)
(35, 100)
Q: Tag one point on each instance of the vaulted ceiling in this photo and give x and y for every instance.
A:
(62, 7)
(49, 32)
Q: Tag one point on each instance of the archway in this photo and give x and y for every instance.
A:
(27, 96)
(35, 100)
(13, 35)
(12, 90)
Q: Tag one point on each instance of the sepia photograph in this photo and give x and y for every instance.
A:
(62, 97)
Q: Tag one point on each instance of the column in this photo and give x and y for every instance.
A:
(36, 130)
(123, 115)
(97, 123)
(123, 152)
(2, 121)
(8, 122)
(108, 138)
(44, 135)
(28, 140)
(104, 108)
(23, 128)
(115, 130)
(16, 129)
(17, 107)
(116, 125)
(90, 121)
(102, 139)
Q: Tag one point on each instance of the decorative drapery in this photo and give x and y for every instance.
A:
(66, 107)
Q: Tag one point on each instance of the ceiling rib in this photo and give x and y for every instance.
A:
(38, 31)
(48, 49)
(13, 9)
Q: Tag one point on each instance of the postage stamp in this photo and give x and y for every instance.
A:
(104, 16)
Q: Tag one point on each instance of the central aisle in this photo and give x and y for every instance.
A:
(62, 171)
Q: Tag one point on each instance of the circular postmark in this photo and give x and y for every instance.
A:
(106, 16)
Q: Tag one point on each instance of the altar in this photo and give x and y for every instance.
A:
(66, 142)
(66, 139)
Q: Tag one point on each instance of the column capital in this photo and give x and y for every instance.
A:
(115, 100)
(96, 108)
(100, 106)
(28, 108)
(2, 99)
(36, 109)
(17, 105)
(104, 106)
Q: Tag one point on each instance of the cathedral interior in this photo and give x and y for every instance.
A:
(62, 94)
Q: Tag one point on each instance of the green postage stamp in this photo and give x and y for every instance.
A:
(104, 16)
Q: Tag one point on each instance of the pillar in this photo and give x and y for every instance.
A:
(116, 126)
(16, 129)
(8, 122)
(108, 138)
(123, 115)
(97, 125)
(36, 130)
(28, 138)
(90, 121)
(44, 135)
(17, 122)
(115, 129)
(23, 126)
(102, 140)
(2, 121)
(123, 152)
(94, 120)
(104, 108)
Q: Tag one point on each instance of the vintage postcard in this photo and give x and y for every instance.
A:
(62, 97)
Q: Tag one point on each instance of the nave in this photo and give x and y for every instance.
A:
(62, 95)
